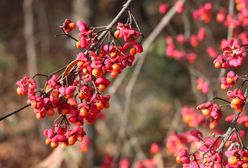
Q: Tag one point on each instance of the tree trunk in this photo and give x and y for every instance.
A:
(81, 10)
(44, 33)
(29, 36)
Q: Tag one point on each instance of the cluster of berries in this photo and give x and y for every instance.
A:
(76, 95)
(194, 40)
(233, 55)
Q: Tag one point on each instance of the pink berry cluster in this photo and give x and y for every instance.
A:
(207, 150)
(233, 55)
(210, 148)
(237, 158)
(234, 21)
(191, 117)
(203, 13)
(208, 154)
(229, 81)
(237, 99)
(208, 113)
(213, 113)
(194, 40)
(202, 85)
(164, 7)
(108, 162)
(77, 95)
(176, 142)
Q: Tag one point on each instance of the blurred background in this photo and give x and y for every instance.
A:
(28, 45)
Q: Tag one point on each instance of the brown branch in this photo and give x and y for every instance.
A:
(14, 112)
(228, 133)
(29, 36)
(218, 98)
(114, 21)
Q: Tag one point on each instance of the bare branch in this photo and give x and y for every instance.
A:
(14, 112)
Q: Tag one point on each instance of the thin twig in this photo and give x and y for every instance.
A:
(14, 112)
(228, 133)
(114, 21)
(218, 98)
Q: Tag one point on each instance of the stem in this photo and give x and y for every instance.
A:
(39, 74)
(14, 112)
(227, 136)
(242, 84)
(68, 35)
(244, 45)
(230, 11)
(211, 146)
(218, 98)
(229, 132)
(114, 21)
(239, 138)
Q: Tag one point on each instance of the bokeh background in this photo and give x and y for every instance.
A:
(28, 45)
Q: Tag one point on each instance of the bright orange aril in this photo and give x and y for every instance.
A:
(48, 141)
(64, 111)
(99, 105)
(114, 73)
(101, 88)
(132, 51)
(71, 25)
(83, 112)
(229, 80)
(233, 160)
(78, 45)
(50, 112)
(72, 140)
(116, 67)
(217, 65)
(205, 112)
(117, 34)
(96, 72)
(236, 101)
(178, 159)
(81, 95)
(54, 144)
